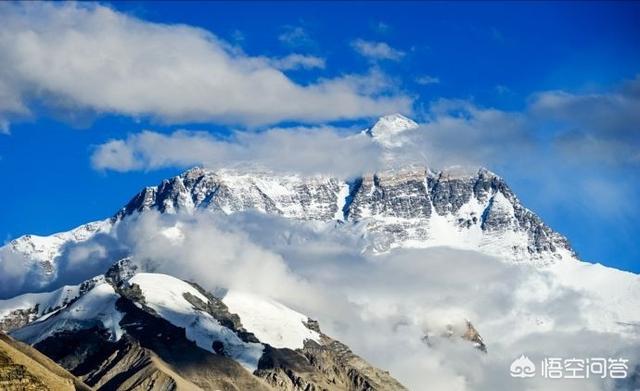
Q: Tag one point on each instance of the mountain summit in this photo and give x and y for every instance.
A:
(387, 129)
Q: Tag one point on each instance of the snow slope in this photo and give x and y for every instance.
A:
(270, 321)
(95, 307)
(165, 295)
(93, 303)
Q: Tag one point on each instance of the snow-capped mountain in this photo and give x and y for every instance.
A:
(158, 323)
(412, 207)
(41, 251)
(390, 212)
(400, 208)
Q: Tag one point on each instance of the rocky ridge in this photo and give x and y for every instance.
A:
(129, 330)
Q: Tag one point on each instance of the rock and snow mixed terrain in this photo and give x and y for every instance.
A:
(264, 337)
(412, 257)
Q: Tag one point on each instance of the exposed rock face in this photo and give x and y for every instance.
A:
(468, 333)
(329, 365)
(152, 355)
(18, 318)
(22, 311)
(409, 208)
(129, 331)
(16, 377)
(472, 335)
(289, 196)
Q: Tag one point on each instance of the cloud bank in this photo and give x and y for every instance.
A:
(458, 133)
(70, 57)
(381, 306)
(591, 129)
(299, 150)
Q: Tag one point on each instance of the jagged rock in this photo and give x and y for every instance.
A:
(472, 335)
(413, 207)
(329, 365)
(467, 333)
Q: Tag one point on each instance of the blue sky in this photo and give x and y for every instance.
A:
(560, 77)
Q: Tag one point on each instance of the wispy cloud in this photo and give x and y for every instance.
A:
(295, 36)
(427, 79)
(382, 27)
(169, 73)
(297, 61)
(501, 89)
(376, 50)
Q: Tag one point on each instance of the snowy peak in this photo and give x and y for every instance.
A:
(391, 124)
(388, 129)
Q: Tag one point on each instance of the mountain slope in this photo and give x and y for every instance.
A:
(24, 368)
(127, 329)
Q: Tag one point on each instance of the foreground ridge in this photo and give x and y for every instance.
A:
(127, 329)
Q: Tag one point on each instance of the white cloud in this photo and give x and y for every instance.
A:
(245, 263)
(381, 306)
(457, 133)
(301, 150)
(376, 50)
(88, 57)
(297, 61)
(119, 155)
(426, 79)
